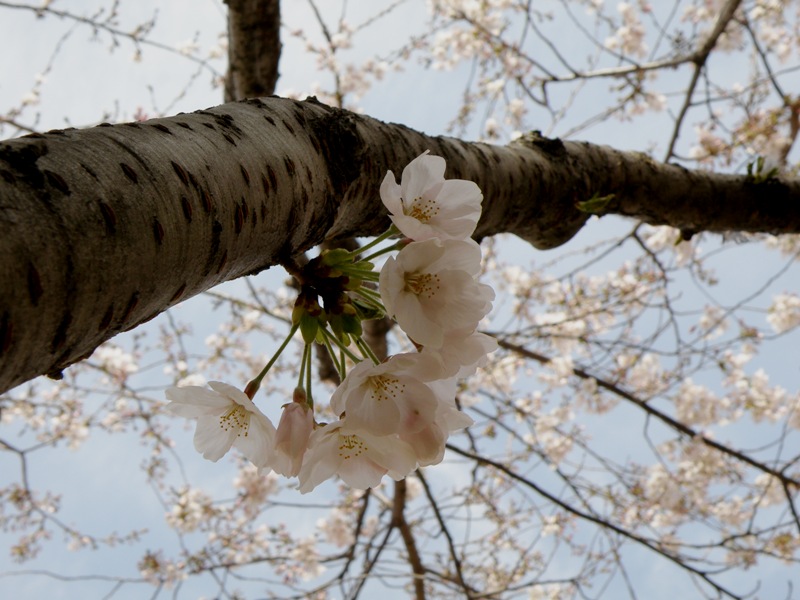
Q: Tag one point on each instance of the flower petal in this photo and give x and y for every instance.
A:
(420, 174)
(211, 440)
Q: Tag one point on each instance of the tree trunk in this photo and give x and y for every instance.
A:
(254, 48)
(104, 228)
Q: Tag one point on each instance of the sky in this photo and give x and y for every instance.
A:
(88, 77)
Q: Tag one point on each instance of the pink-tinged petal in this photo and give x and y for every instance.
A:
(373, 412)
(384, 398)
(419, 256)
(361, 474)
(428, 445)
(210, 439)
(391, 283)
(459, 255)
(412, 318)
(460, 201)
(312, 473)
(426, 206)
(234, 394)
(257, 441)
(225, 417)
(322, 458)
(394, 454)
(412, 228)
(391, 453)
(391, 194)
(193, 401)
(421, 174)
(353, 381)
(462, 352)
(393, 404)
(359, 458)
(445, 390)
(291, 438)
(455, 420)
(418, 408)
(426, 297)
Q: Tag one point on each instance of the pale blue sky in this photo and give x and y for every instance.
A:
(103, 486)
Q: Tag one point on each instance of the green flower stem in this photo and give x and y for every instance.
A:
(303, 366)
(384, 236)
(342, 363)
(337, 362)
(252, 386)
(396, 246)
(309, 361)
(367, 351)
(329, 336)
(370, 296)
(354, 271)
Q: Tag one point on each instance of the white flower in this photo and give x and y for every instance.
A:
(462, 352)
(359, 458)
(428, 443)
(225, 417)
(425, 205)
(784, 314)
(291, 439)
(430, 289)
(384, 399)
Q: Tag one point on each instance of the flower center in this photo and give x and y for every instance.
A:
(351, 446)
(385, 387)
(423, 210)
(422, 284)
(237, 418)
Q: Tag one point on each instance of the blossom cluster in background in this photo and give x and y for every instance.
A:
(393, 415)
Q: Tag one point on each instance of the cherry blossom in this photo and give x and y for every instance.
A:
(358, 457)
(426, 206)
(385, 398)
(462, 352)
(429, 442)
(430, 289)
(784, 314)
(225, 417)
(291, 439)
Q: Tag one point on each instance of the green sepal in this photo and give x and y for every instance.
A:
(337, 325)
(364, 265)
(352, 324)
(353, 283)
(308, 328)
(336, 256)
(367, 312)
(298, 310)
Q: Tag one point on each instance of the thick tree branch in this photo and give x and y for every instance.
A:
(254, 48)
(106, 227)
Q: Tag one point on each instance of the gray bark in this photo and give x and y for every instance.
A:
(254, 48)
(104, 228)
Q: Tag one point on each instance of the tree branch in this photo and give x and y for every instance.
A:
(254, 48)
(682, 428)
(104, 228)
(399, 521)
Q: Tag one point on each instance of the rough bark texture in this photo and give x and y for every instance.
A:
(254, 48)
(104, 228)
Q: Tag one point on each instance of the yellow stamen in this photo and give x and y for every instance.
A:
(426, 284)
(351, 446)
(237, 418)
(423, 210)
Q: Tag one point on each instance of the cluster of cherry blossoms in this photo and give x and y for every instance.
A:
(393, 415)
